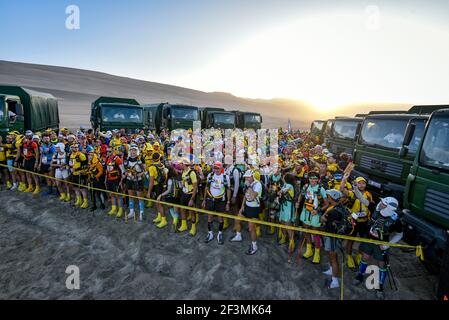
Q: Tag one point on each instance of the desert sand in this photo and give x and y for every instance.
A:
(40, 237)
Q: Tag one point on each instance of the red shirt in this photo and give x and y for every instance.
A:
(112, 168)
(29, 150)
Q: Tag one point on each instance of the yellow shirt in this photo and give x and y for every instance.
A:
(332, 167)
(115, 142)
(153, 173)
(2, 153)
(187, 186)
(75, 162)
(359, 207)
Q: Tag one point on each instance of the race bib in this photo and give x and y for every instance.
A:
(110, 168)
(25, 152)
(2, 149)
(71, 163)
(44, 160)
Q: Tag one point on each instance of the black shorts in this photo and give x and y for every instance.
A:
(185, 199)
(112, 185)
(78, 179)
(360, 229)
(29, 164)
(251, 212)
(45, 168)
(134, 185)
(174, 200)
(98, 184)
(216, 205)
(157, 190)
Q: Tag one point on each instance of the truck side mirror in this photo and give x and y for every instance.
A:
(403, 151)
(409, 134)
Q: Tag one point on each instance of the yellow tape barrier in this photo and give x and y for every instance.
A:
(419, 251)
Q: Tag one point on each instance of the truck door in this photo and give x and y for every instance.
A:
(15, 114)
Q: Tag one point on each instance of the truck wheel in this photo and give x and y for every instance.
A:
(443, 283)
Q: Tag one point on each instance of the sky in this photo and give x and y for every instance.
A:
(326, 53)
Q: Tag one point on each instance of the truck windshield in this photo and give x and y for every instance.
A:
(387, 133)
(344, 129)
(435, 150)
(121, 114)
(184, 113)
(224, 118)
(2, 109)
(252, 118)
(317, 126)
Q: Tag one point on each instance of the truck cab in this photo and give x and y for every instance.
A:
(317, 129)
(248, 120)
(11, 114)
(343, 134)
(376, 155)
(160, 116)
(108, 113)
(217, 118)
(426, 199)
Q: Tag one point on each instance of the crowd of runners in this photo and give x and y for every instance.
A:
(311, 188)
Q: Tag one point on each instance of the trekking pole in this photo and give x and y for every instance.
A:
(92, 194)
(389, 271)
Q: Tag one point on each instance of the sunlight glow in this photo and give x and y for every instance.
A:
(336, 63)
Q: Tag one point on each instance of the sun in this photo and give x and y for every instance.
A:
(334, 60)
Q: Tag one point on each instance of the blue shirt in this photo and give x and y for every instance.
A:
(47, 151)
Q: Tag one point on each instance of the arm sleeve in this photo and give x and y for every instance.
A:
(100, 170)
(236, 181)
(169, 187)
(193, 177)
(361, 198)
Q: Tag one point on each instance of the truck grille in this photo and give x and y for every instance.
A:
(436, 202)
(387, 167)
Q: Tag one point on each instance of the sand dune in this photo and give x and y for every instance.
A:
(76, 89)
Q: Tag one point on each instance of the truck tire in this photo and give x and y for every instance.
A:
(443, 283)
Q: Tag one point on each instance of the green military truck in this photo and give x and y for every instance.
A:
(108, 113)
(426, 198)
(160, 116)
(217, 118)
(248, 120)
(317, 130)
(343, 134)
(24, 109)
(376, 154)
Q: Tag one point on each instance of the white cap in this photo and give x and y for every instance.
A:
(334, 194)
(391, 206)
(61, 146)
(36, 137)
(248, 174)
